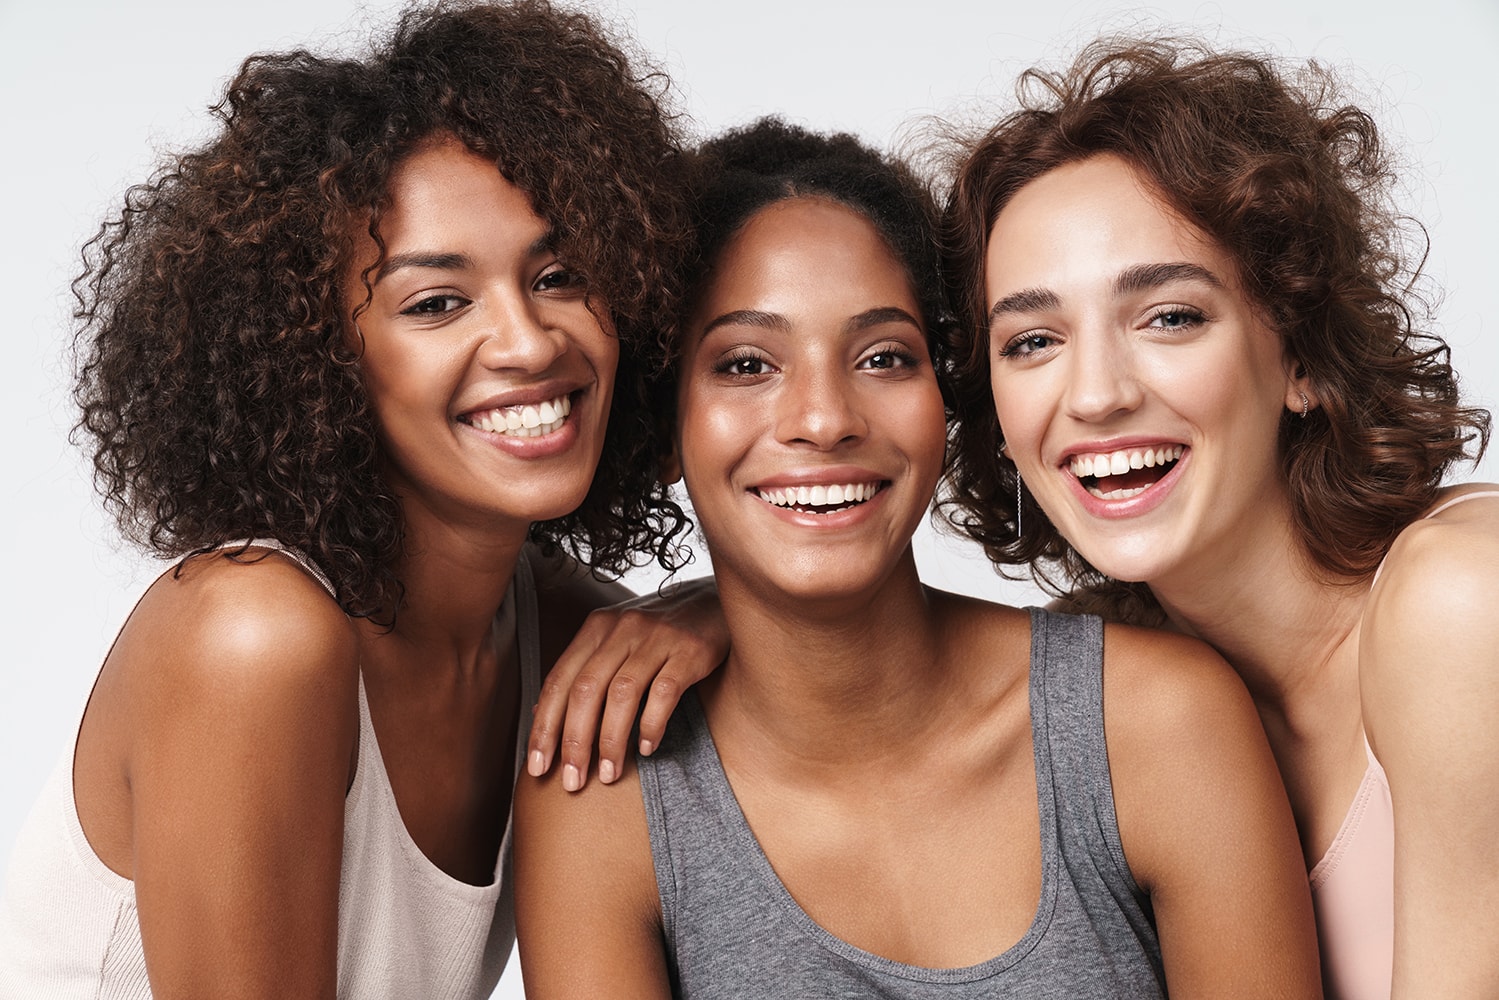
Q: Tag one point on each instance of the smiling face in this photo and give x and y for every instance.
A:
(1139, 390)
(810, 424)
(488, 373)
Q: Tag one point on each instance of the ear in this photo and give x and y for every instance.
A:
(1301, 392)
(670, 470)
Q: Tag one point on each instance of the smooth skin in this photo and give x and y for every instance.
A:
(1083, 359)
(221, 736)
(853, 692)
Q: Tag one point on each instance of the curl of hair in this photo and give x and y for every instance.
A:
(744, 170)
(217, 394)
(1293, 182)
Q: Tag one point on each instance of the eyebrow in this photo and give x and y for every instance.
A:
(1139, 278)
(1143, 277)
(450, 261)
(879, 316)
(748, 317)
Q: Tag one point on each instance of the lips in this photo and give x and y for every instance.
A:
(526, 420)
(821, 498)
(1128, 472)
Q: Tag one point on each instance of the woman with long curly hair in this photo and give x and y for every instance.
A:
(1199, 389)
(364, 363)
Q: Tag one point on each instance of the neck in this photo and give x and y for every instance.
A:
(832, 682)
(455, 579)
(1270, 611)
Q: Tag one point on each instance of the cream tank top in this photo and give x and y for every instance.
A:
(1353, 885)
(68, 923)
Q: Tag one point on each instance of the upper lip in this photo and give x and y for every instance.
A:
(819, 476)
(1114, 444)
(531, 395)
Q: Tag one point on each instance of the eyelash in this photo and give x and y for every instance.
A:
(903, 357)
(1192, 317)
(727, 364)
(419, 308)
(1013, 348)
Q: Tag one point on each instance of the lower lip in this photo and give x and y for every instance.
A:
(833, 521)
(529, 448)
(1140, 503)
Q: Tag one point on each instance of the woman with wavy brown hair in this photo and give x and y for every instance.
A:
(364, 363)
(1198, 390)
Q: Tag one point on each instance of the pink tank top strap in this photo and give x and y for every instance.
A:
(1475, 495)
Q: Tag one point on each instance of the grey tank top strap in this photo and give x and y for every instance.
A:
(733, 930)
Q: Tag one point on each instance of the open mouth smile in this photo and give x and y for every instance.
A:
(529, 420)
(822, 498)
(1119, 475)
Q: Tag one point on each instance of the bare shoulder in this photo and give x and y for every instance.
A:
(1153, 678)
(217, 631)
(1442, 569)
(1429, 631)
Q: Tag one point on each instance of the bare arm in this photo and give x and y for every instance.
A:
(625, 651)
(1205, 822)
(587, 914)
(1429, 682)
(232, 695)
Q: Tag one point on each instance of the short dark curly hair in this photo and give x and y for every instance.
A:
(743, 170)
(217, 395)
(1293, 182)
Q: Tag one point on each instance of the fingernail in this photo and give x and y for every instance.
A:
(647, 748)
(536, 764)
(606, 770)
(571, 779)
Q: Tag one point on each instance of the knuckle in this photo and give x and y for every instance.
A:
(666, 686)
(585, 688)
(623, 686)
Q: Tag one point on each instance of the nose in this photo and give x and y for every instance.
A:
(517, 332)
(1102, 380)
(819, 407)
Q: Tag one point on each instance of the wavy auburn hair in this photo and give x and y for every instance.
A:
(217, 395)
(1294, 183)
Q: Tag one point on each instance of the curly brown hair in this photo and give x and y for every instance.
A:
(1293, 182)
(218, 397)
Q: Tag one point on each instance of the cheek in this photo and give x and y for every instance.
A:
(1018, 406)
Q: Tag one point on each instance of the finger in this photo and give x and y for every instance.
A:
(585, 705)
(556, 688)
(675, 677)
(626, 691)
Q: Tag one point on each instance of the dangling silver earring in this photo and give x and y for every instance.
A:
(1019, 523)
(1306, 404)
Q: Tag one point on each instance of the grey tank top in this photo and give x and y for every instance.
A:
(732, 930)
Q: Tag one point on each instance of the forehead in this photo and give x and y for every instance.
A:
(804, 253)
(1094, 215)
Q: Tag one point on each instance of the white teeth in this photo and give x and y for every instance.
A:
(529, 420)
(832, 495)
(1116, 463)
(1116, 494)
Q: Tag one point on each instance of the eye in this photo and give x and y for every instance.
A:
(434, 305)
(1176, 318)
(889, 357)
(743, 363)
(558, 278)
(1028, 343)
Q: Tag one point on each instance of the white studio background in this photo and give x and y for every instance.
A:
(92, 92)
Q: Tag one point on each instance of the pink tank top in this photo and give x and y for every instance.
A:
(1353, 886)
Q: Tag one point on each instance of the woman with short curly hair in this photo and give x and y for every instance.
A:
(345, 361)
(1197, 389)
